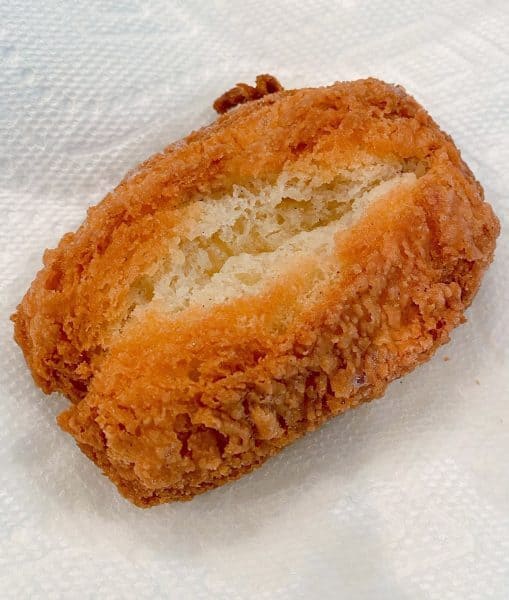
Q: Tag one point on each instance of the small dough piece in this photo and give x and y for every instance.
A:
(242, 92)
(254, 280)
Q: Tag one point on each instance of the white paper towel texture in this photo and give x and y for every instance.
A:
(405, 498)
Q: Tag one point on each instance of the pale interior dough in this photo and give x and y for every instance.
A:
(237, 244)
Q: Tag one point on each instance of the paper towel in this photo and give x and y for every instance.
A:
(405, 498)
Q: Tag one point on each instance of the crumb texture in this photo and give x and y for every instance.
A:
(250, 282)
(238, 244)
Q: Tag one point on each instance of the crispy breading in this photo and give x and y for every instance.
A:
(170, 405)
(243, 92)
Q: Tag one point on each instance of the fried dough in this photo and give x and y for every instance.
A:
(253, 280)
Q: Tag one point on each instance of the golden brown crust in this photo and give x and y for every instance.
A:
(170, 409)
(242, 93)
